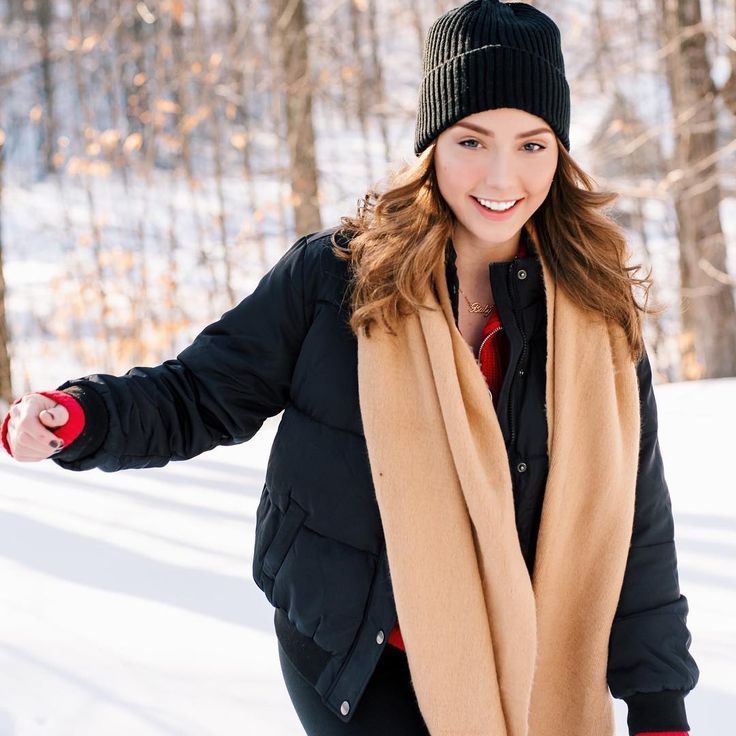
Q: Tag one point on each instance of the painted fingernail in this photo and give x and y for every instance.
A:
(55, 443)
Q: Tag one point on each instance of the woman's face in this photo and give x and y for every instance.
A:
(499, 159)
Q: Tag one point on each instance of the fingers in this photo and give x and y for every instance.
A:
(29, 444)
(55, 416)
(28, 438)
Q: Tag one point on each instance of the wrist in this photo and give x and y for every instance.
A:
(95, 426)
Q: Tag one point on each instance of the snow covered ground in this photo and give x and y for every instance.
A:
(127, 604)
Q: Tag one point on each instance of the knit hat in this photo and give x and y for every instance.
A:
(487, 54)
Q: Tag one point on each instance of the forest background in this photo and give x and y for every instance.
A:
(157, 157)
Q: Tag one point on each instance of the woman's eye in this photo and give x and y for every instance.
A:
(473, 140)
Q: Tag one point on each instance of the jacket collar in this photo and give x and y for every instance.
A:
(529, 290)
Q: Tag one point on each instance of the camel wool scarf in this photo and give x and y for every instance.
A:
(491, 652)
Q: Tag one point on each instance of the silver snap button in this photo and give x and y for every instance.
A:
(521, 274)
(345, 707)
(521, 467)
(379, 637)
(521, 371)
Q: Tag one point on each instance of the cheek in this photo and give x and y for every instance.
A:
(450, 181)
(539, 181)
(548, 170)
(461, 179)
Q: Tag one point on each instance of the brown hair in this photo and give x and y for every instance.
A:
(398, 235)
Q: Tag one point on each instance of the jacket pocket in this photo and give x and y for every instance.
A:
(289, 525)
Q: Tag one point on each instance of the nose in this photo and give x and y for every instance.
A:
(501, 172)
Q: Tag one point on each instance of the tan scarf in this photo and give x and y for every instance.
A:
(490, 652)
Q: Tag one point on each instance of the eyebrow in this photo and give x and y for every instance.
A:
(489, 133)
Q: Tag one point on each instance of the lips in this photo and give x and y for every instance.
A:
(495, 215)
(501, 200)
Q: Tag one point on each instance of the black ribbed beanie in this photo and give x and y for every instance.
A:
(488, 54)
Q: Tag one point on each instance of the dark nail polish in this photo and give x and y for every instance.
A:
(55, 444)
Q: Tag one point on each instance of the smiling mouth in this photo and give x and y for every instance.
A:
(508, 209)
(497, 215)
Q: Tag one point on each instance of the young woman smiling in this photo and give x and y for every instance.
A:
(499, 165)
(465, 528)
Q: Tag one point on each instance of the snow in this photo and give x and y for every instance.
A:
(127, 603)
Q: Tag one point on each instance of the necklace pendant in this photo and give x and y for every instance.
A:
(478, 308)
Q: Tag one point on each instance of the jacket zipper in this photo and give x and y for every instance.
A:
(520, 361)
(484, 341)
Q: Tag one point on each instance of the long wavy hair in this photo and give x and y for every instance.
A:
(401, 230)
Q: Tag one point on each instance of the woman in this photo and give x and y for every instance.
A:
(523, 539)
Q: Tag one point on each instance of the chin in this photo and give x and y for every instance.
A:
(495, 234)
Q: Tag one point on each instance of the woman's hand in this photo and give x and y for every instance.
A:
(30, 421)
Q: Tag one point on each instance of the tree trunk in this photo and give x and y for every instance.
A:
(44, 14)
(6, 391)
(243, 80)
(87, 123)
(729, 88)
(358, 83)
(291, 42)
(708, 310)
(380, 107)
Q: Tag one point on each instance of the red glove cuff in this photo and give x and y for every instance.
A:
(4, 430)
(68, 432)
(664, 733)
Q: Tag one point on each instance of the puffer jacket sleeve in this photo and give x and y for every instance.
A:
(217, 391)
(649, 665)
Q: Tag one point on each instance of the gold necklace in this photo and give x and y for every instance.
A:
(477, 307)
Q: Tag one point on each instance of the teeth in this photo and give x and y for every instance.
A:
(498, 206)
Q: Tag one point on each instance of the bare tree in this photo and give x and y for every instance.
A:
(44, 14)
(291, 42)
(729, 88)
(5, 376)
(379, 93)
(358, 83)
(626, 153)
(242, 46)
(709, 313)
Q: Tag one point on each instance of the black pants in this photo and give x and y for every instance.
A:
(388, 706)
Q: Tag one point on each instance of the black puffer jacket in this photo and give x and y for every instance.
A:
(319, 555)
